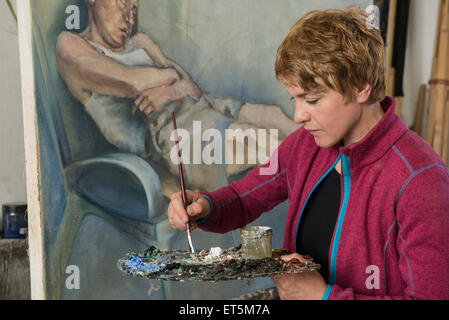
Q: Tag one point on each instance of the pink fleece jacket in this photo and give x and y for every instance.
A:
(392, 234)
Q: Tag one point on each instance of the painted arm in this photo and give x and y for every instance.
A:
(157, 97)
(85, 70)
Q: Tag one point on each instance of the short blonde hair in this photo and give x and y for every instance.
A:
(339, 47)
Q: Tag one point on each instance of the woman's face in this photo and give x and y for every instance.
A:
(326, 116)
(115, 20)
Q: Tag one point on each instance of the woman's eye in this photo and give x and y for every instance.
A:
(312, 101)
(292, 98)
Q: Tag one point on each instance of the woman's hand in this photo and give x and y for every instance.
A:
(198, 208)
(302, 286)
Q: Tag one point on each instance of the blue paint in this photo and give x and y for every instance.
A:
(133, 262)
(136, 264)
(152, 268)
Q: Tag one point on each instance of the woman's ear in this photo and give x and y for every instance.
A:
(363, 95)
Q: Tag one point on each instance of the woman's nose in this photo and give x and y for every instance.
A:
(301, 115)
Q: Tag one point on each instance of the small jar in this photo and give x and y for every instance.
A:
(256, 242)
(15, 224)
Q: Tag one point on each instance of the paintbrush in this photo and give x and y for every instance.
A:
(181, 179)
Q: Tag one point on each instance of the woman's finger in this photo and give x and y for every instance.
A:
(194, 209)
(175, 221)
(179, 224)
(293, 256)
(179, 211)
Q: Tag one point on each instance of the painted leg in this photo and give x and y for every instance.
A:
(247, 148)
(271, 117)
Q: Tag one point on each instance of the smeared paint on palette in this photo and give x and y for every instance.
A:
(207, 265)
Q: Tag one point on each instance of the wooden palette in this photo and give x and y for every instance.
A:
(200, 266)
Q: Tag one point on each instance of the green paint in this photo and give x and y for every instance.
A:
(151, 252)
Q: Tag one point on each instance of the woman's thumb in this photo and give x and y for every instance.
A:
(192, 209)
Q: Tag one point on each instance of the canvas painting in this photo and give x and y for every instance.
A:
(102, 79)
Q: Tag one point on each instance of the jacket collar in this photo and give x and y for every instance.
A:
(379, 140)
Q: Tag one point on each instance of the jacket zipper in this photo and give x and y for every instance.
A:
(341, 216)
(308, 197)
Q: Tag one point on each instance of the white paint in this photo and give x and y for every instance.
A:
(12, 151)
(215, 252)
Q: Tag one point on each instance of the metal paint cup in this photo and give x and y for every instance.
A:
(256, 242)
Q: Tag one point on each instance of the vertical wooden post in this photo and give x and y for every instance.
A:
(436, 128)
(35, 239)
(445, 38)
(445, 154)
(417, 126)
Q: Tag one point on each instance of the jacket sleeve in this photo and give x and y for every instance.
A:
(422, 213)
(242, 202)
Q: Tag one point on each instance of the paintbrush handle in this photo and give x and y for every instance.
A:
(180, 171)
(181, 178)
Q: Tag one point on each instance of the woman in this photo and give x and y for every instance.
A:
(368, 199)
